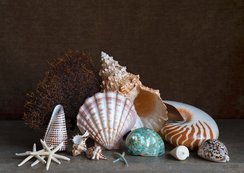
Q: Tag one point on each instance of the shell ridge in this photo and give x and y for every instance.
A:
(114, 122)
(103, 136)
(120, 119)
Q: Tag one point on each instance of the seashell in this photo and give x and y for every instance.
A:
(145, 142)
(107, 117)
(213, 150)
(56, 131)
(196, 127)
(95, 153)
(79, 145)
(148, 103)
(180, 152)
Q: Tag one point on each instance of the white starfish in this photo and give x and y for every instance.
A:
(51, 154)
(31, 154)
(48, 152)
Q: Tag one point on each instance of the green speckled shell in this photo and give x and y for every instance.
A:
(145, 142)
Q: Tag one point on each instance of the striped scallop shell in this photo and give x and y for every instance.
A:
(196, 127)
(107, 117)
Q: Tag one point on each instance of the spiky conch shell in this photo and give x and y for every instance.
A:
(107, 117)
(195, 128)
(56, 131)
(148, 103)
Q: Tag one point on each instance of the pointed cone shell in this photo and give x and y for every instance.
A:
(147, 101)
(56, 131)
(107, 117)
(181, 152)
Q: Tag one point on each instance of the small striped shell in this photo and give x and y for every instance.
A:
(196, 127)
(107, 117)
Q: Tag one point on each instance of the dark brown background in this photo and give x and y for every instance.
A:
(191, 50)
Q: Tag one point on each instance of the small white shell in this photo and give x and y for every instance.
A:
(180, 152)
(213, 150)
(56, 131)
(107, 117)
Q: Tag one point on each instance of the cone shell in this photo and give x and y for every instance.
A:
(196, 127)
(56, 131)
(107, 117)
(148, 103)
(213, 150)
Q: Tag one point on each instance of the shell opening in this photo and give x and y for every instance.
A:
(145, 108)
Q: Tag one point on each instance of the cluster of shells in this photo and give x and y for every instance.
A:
(125, 104)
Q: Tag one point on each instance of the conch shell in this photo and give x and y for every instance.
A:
(147, 101)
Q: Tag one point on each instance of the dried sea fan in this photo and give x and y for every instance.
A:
(68, 81)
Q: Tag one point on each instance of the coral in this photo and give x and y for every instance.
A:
(68, 81)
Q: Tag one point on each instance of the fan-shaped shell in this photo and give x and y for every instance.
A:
(107, 117)
(196, 127)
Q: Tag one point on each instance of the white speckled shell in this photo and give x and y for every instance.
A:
(56, 131)
(213, 150)
(107, 117)
(196, 128)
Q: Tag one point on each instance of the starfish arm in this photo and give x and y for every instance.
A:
(58, 147)
(48, 162)
(25, 160)
(44, 145)
(37, 161)
(40, 159)
(23, 154)
(34, 147)
(56, 160)
(61, 157)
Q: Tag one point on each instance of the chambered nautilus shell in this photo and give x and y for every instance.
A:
(196, 127)
(148, 103)
(107, 117)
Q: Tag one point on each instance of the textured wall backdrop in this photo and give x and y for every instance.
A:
(193, 51)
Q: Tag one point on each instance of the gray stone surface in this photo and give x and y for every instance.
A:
(15, 137)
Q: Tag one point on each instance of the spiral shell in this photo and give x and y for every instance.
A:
(148, 103)
(196, 127)
(107, 117)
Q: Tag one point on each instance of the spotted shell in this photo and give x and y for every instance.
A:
(196, 127)
(107, 117)
(213, 150)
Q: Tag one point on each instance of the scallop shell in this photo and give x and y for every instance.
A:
(196, 127)
(148, 103)
(107, 117)
(213, 150)
(56, 131)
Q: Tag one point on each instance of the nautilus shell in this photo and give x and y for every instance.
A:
(196, 127)
(107, 117)
(148, 103)
(56, 131)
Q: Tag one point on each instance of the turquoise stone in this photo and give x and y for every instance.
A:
(144, 142)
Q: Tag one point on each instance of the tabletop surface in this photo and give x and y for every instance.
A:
(16, 138)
